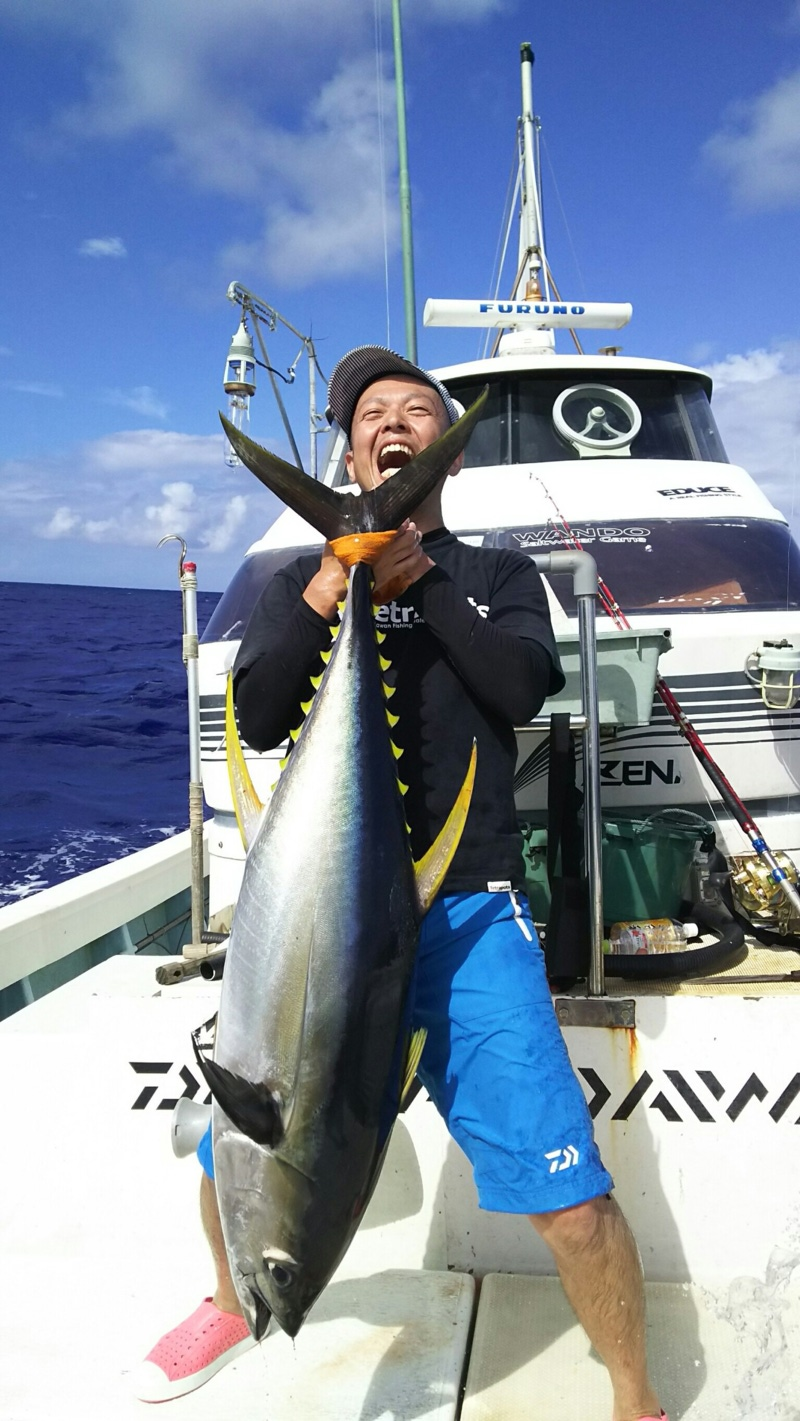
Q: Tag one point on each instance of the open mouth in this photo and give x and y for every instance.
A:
(392, 458)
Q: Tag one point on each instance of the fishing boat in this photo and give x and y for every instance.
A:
(691, 1077)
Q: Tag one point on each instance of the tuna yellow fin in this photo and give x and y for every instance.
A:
(415, 1048)
(431, 869)
(392, 719)
(325, 656)
(246, 803)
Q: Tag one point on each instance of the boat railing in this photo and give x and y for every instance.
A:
(91, 914)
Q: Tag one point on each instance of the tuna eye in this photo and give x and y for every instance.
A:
(281, 1277)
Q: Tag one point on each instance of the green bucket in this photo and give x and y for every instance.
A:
(534, 852)
(646, 863)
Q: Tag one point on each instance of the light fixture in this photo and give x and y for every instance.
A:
(239, 383)
(775, 669)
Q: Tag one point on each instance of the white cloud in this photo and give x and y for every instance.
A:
(757, 406)
(249, 103)
(131, 488)
(220, 538)
(103, 247)
(142, 399)
(35, 387)
(61, 524)
(758, 147)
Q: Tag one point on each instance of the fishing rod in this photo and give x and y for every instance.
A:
(701, 752)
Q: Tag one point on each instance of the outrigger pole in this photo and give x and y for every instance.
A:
(721, 783)
(188, 583)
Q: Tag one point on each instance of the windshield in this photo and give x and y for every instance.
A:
(680, 565)
(535, 417)
(232, 612)
(541, 416)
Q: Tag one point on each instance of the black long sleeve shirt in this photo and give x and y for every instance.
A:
(472, 654)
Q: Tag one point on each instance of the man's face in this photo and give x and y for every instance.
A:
(395, 418)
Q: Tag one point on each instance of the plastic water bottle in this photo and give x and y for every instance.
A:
(635, 939)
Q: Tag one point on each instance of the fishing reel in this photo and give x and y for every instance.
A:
(759, 898)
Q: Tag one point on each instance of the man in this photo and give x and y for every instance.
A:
(472, 654)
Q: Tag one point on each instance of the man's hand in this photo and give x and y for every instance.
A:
(327, 587)
(402, 563)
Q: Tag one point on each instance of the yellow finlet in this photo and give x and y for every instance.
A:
(326, 655)
(380, 637)
(432, 867)
(246, 803)
(383, 663)
(316, 681)
(335, 630)
(293, 734)
(392, 719)
(283, 763)
(388, 691)
(396, 750)
(305, 706)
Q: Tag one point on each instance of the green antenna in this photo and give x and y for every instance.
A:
(409, 295)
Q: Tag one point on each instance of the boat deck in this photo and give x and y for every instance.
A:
(103, 1252)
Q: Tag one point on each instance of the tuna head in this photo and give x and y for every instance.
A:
(283, 1233)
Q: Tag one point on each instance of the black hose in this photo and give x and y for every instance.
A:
(213, 966)
(727, 951)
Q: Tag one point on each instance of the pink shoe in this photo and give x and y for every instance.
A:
(190, 1354)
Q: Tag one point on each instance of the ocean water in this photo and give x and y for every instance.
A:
(94, 741)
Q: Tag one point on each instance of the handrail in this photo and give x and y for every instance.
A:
(584, 580)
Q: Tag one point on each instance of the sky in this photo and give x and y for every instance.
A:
(153, 153)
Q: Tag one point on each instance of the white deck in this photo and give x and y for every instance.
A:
(103, 1251)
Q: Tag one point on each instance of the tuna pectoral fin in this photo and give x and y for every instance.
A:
(431, 869)
(246, 802)
(253, 1109)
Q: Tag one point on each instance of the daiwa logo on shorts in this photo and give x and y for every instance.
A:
(562, 1159)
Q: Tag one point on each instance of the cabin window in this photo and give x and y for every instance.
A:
(680, 565)
(518, 427)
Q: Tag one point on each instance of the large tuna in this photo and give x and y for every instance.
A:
(313, 1046)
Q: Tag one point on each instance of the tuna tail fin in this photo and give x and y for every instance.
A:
(329, 512)
(246, 803)
(431, 869)
(386, 506)
(334, 514)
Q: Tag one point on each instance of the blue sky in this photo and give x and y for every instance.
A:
(152, 153)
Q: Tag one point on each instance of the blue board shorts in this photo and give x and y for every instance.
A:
(494, 1062)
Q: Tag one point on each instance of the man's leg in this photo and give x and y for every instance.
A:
(215, 1333)
(225, 1294)
(601, 1273)
(497, 1068)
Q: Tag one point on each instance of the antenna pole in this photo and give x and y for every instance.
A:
(530, 235)
(409, 294)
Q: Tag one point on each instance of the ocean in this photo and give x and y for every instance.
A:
(95, 741)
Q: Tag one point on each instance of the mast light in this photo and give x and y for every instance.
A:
(239, 383)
